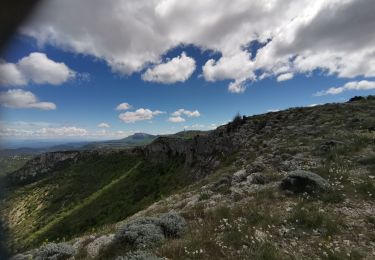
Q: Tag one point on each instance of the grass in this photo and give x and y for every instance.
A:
(226, 232)
(87, 201)
(308, 215)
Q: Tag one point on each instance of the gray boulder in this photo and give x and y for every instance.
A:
(300, 181)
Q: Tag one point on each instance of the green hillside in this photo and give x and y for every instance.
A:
(94, 192)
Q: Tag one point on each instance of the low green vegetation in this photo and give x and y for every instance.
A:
(9, 164)
(88, 195)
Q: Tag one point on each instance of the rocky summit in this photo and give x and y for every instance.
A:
(293, 184)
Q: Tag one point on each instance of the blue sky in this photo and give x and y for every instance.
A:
(90, 97)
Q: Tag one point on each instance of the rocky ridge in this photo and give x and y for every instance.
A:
(292, 184)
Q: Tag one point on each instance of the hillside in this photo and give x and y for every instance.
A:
(294, 184)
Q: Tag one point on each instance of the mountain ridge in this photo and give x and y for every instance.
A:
(214, 176)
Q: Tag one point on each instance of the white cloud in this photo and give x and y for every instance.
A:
(36, 68)
(123, 106)
(10, 75)
(17, 98)
(285, 76)
(273, 110)
(139, 115)
(353, 85)
(237, 86)
(178, 69)
(104, 125)
(176, 119)
(300, 36)
(44, 130)
(238, 67)
(188, 113)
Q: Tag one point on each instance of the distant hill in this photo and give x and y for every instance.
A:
(137, 139)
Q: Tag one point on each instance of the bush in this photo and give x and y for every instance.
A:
(141, 233)
(150, 231)
(357, 98)
(139, 255)
(173, 224)
(55, 251)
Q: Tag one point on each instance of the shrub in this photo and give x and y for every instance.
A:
(139, 255)
(55, 251)
(141, 233)
(150, 231)
(173, 224)
(357, 98)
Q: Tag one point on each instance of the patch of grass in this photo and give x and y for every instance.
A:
(203, 196)
(309, 216)
(265, 251)
(366, 188)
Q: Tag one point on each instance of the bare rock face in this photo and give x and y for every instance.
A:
(202, 152)
(300, 181)
(40, 165)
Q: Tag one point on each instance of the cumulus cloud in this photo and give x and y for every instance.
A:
(176, 119)
(353, 85)
(238, 67)
(104, 125)
(285, 76)
(123, 106)
(298, 36)
(178, 69)
(48, 130)
(188, 113)
(139, 115)
(36, 68)
(18, 98)
(10, 75)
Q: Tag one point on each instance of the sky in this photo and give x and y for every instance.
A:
(95, 70)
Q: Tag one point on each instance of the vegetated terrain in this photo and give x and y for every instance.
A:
(9, 164)
(294, 184)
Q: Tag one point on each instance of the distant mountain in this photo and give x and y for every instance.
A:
(137, 139)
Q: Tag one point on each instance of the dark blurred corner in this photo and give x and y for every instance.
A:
(12, 14)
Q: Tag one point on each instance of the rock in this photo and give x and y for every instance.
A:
(304, 181)
(80, 242)
(53, 251)
(239, 176)
(328, 145)
(98, 244)
(22, 257)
